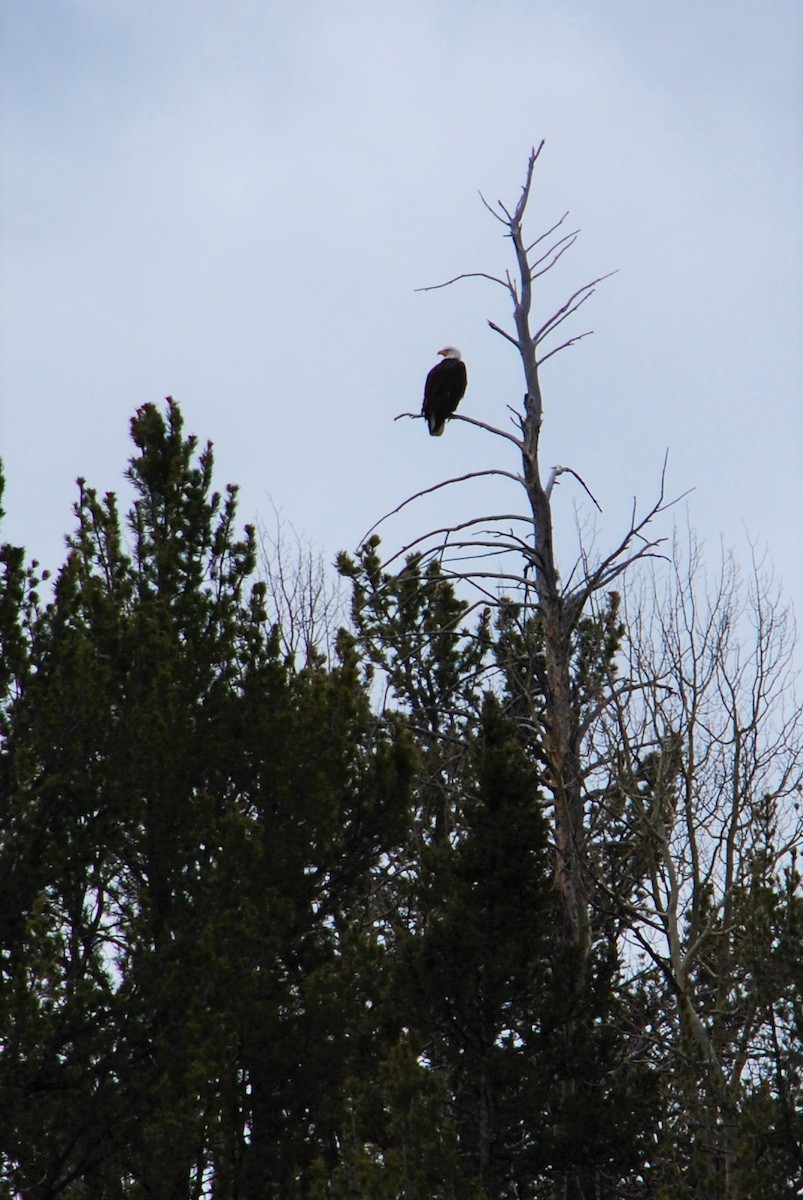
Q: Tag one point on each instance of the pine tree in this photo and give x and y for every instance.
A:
(190, 830)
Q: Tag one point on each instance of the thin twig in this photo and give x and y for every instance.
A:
(492, 210)
(571, 305)
(546, 233)
(449, 529)
(435, 488)
(578, 337)
(434, 287)
(558, 250)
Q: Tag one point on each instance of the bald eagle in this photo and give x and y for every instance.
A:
(444, 389)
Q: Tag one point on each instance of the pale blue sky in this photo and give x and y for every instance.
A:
(234, 202)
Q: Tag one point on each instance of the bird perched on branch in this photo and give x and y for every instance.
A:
(444, 389)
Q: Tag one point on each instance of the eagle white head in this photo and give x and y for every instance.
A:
(449, 352)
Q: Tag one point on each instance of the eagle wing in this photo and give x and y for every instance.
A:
(443, 390)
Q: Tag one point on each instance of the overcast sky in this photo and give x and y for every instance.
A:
(234, 203)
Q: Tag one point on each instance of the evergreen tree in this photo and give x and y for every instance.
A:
(536, 1077)
(189, 830)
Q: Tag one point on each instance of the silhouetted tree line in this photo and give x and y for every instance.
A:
(288, 927)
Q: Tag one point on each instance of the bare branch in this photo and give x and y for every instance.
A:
(435, 488)
(489, 428)
(555, 252)
(578, 337)
(465, 275)
(558, 471)
(449, 529)
(546, 233)
(614, 563)
(492, 210)
(504, 333)
(571, 305)
(469, 421)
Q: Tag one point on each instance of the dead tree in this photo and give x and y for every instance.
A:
(536, 577)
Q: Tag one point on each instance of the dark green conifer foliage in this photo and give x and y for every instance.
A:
(478, 899)
(189, 828)
(259, 941)
(476, 976)
(425, 659)
(457, 1107)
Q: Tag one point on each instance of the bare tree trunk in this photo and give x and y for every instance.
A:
(558, 615)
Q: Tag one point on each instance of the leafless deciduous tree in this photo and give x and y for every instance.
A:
(301, 596)
(704, 750)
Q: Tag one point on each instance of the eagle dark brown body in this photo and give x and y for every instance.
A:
(444, 389)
